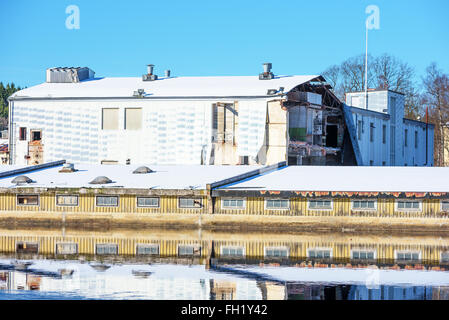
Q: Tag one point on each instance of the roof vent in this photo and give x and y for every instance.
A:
(101, 180)
(266, 74)
(69, 74)
(21, 180)
(68, 167)
(149, 76)
(143, 169)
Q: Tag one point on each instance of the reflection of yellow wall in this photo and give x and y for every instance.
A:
(275, 291)
(254, 243)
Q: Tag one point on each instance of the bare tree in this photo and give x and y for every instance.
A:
(436, 96)
(384, 72)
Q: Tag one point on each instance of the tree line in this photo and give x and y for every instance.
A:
(387, 72)
(5, 92)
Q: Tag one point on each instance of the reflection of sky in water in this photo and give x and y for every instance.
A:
(185, 282)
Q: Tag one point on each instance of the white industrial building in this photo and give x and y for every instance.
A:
(385, 137)
(262, 119)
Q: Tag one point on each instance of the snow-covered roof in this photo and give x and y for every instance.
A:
(183, 87)
(349, 179)
(164, 177)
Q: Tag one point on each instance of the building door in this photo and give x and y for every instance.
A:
(331, 136)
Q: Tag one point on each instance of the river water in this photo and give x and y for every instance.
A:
(222, 266)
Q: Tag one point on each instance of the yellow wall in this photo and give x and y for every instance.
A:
(341, 207)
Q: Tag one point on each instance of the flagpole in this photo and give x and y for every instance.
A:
(366, 68)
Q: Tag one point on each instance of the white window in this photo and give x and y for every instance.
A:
(408, 205)
(363, 254)
(133, 118)
(364, 205)
(148, 202)
(66, 248)
(445, 205)
(444, 256)
(407, 255)
(27, 200)
(109, 119)
(189, 203)
(232, 251)
(189, 250)
(106, 248)
(107, 201)
(319, 253)
(320, 204)
(147, 249)
(67, 200)
(276, 252)
(277, 204)
(227, 203)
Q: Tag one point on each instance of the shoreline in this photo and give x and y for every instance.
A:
(226, 222)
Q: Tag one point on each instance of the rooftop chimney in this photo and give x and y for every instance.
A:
(267, 74)
(149, 76)
(167, 73)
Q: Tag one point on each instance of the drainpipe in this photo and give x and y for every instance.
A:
(427, 125)
(11, 130)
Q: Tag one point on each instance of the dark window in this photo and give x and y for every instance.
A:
(416, 139)
(406, 137)
(22, 133)
(384, 134)
(27, 247)
(27, 200)
(371, 132)
(36, 135)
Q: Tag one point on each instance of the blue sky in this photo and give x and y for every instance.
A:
(209, 38)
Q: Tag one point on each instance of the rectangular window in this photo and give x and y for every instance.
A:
(384, 133)
(148, 249)
(277, 204)
(371, 132)
(406, 137)
(319, 253)
(189, 203)
(27, 200)
(107, 201)
(109, 119)
(408, 205)
(444, 205)
(22, 133)
(27, 247)
(148, 202)
(363, 254)
(233, 203)
(232, 251)
(444, 257)
(106, 248)
(67, 200)
(416, 139)
(133, 118)
(189, 250)
(66, 248)
(320, 204)
(276, 252)
(408, 255)
(364, 204)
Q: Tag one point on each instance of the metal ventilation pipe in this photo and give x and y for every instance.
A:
(267, 67)
(167, 73)
(150, 68)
